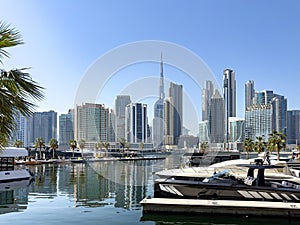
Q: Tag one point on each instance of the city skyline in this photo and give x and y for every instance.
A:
(262, 46)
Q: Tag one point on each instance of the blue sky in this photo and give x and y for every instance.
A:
(259, 40)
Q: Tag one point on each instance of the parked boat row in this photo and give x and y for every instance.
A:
(244, 187)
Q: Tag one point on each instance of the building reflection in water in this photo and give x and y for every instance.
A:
(14, 196)
(121, 184)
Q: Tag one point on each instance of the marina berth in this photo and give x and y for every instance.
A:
(229, 192)
(8, 173)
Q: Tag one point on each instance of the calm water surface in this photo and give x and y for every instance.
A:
(97, 193)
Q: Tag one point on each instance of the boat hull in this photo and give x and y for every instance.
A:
(227, 191)
(14, 175)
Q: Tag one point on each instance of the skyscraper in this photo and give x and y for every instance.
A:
(293, 125)
(249, 93)
(175, 101)
(120, 105)
(136, 123)
(158, 124)
(20, 132)
(207, 92)
(229, 93)
(258, 121)
(216, 118)
(44, 125)
(66, 129)
(91, 123)
(279, 107)
(168, 121)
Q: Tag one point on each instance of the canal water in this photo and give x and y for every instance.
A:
(97, 193)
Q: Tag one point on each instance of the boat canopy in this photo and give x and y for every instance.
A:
(13, 152)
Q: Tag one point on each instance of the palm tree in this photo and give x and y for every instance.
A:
(73, 145)
(248, 146)
(18, 143)
(53, 145)
(203, 146)
(106, 146)
(39, 143)
(122, 143)
(259, 145)
(18, 91)
(127, 146)
(81, 144)
(277, 142)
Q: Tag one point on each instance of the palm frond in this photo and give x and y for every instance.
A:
(9, 37)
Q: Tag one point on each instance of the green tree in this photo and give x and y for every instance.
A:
(53, 145)
(18, 91)
(73, 145)
(81, 144)
(259, 144)
(18, 143)
(106, 146)
(248, 146)
(277, 142)
(203, 146)
(39, 143)
(122, 143)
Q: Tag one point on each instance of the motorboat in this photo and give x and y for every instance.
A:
(8, 172)
(224, 185)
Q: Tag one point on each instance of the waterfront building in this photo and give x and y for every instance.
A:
(279, 107)
(112, 126)
(236, 130)
(120, 105)
(168, 122)
(91, 123)
(20, 132)
(207, 92)
(204, 131)
(158, 123)
(293, 127)
(249, 93)
(66, 129)
(188, 141)
(258, 121)
(173, 113)
(136, 123)
(229, 95)
(216, 118)
(42, 124)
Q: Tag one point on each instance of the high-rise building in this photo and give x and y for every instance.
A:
(249, 93)
(175, 92)
(66, 129)
(204, 131)
(216, 118)
(136, 123)
(42, 124)
(168, 121)
(293, 127)
(112, 126)
(20, 132)
(207, 92)
(236, 129)
(258, 121)
(120, 105)
(229, 93)
(91, 123)
(158, 123)
(279, 107)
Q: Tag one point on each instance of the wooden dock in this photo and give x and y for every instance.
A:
(225, 207)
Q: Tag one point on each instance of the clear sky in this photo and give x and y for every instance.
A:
(259, 40)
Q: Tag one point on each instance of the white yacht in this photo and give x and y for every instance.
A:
(8, 172)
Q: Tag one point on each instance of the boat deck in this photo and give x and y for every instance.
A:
(196, 206)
